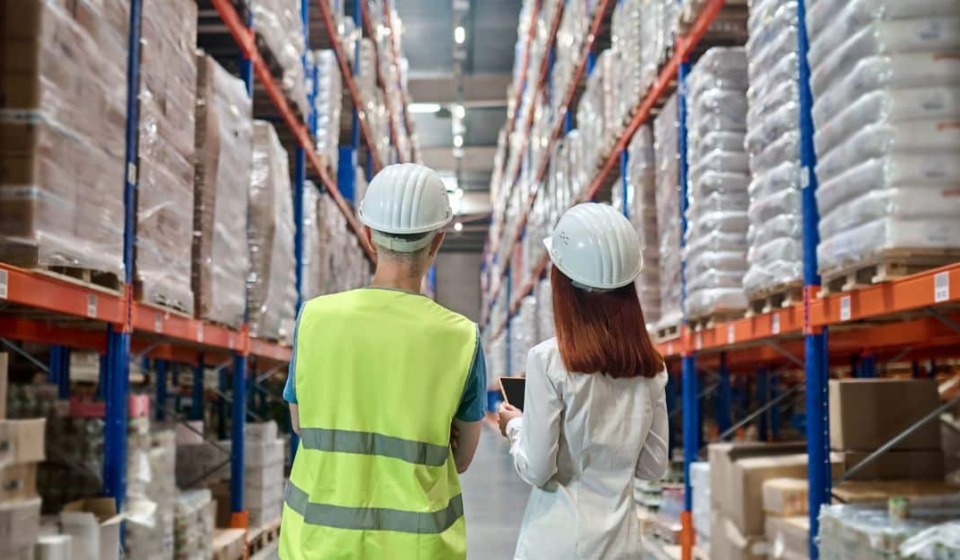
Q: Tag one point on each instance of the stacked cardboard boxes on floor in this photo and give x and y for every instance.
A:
(62, 154)
(194, 525)
(224, 160)
(867, 413)
(271, 286)
(701, 507)
(168, 89)
(786, 523)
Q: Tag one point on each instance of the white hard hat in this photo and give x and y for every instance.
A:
(595, 246)
(404, 199)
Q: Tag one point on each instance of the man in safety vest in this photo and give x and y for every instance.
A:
(387, 390)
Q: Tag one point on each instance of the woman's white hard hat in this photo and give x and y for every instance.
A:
(405, 199)
(595, 246)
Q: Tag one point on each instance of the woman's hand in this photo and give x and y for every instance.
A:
(506, 414)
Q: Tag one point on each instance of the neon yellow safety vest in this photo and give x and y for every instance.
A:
(379, 375)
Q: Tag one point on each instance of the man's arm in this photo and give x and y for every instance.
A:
(294, 419)
(466, 439)
(467, 423)
(290, 387)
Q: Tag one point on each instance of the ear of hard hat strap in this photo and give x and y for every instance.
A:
(402, 245)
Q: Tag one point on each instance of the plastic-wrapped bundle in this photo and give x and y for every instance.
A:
(886, 109)
(224, 156)
(271, 282)
(61, 189)
(546, 328)
(628, 44)
(716, 239)
(657, 20)
(668, 213)
(540, 133)
(536, 229)
(868, 531)
(523, 335)
(328, 103)
(168, 89)
(496, 356)
(642, 211)
(940, 541)
(311, 265)
(341, 263)
(775, 238)
(194, 525)
(596, 112)
(700, 486)
(152, 538)
(574, 26)
(279, 27)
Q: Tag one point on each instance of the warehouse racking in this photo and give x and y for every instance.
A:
(67, 313)
(909, 318)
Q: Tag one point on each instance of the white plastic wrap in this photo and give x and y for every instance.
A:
(168, 87)
(524, 334)
(775, 255)
(224, 157)
(596, 112)
(328, 103)
(716, 240)
(545, 325)
(642, 209)
(279, 27)
(668, 213)
(64, 113)
(194, 525)
(700, 486)
(311, 265)
(628, 44)
(936, 543)
(271, 282)
(496, 355)
(340, 260)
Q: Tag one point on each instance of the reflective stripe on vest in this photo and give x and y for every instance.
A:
(368, 443)
(373, 519)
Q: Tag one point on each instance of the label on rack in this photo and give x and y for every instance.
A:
(132, 173)
(731, 334)
(845, 312)
(4, 279)
(91, 306)
(941, 287)
(199, 332)
(804, 177)
(699, 341)
(775, 323)
(158, 323)
(669, 348)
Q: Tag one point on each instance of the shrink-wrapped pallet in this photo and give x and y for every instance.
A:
(545, 325)
(596, 114)
(574, 27)
(327, 107)
(63, 87)
(775, 236)
(223, 164)
(342, 265)
(716, 239)
(311, 265)
(885, 79)
(271, 282)
(642, 210)
(278, 25)
(628, 44)
(167, 145)
(668, 213)
(523, 334)
(194, 523)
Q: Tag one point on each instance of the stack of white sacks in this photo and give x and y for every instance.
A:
(773, 144)
(596, 114)
(657, 20)
(327, 104)
(885, 77)
(700, 486)
(545, 326)
(627, 44)
(716, 237)
(279, 24)
(523, 334)
(642, 211)
(668, 213)
(574, 27)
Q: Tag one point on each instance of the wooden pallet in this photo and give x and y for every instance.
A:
(778, 297)
(161, 306)
(101, 281)
(270, 552)
(698, 324)
(259, 539)
(884, 267)
(229, 544)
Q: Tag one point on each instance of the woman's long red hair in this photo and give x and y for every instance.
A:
(602, 332)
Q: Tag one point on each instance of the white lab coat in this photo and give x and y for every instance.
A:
(581, 442)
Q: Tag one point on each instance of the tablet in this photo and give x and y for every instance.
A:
(513, 389)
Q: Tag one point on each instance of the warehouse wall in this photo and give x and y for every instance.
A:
(458, 282)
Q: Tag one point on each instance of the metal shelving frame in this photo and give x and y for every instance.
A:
(66, 314)
(909, 318)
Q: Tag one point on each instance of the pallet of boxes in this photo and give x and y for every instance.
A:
(21, 449)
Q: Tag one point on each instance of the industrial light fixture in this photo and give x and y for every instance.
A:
(458, 141)
(458, 226)
(459, 110)
(459, 34)
(424, 108)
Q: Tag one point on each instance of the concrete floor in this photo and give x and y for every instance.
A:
(494, 499)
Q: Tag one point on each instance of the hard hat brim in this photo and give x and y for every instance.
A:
(548, 243)
(403, 231)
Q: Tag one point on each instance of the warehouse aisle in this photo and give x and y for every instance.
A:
(494, 500)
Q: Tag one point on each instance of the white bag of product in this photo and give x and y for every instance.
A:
(895, 171)
(853, 246)
(904, 204)
(855, 14)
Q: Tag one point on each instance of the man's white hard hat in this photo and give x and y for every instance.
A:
(405, 199)
(595, 246)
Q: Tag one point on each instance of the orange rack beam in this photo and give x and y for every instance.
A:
(41, 291)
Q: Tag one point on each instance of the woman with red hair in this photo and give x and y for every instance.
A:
(595, 414)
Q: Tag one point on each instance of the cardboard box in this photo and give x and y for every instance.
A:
(785, 497)
(23, 554)
(897, 465)
(21, 441)
(723, 455)
(54, 547)
(787, 537)
(743, 504)
(94, 526)
(19, 526)
(4, 380)
(867, 413)
(261, 432)
(858, 491)
(728, 543)
(18, 482)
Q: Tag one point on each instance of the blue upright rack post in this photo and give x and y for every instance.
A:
(775, 411)
(691, 403)
(222, 403)
(161, 367)
(59, 370)
(625, 180)
(763, 395)
(723, 396)
(237, 440)
(815, 340)
(176, 388)
(196, 397)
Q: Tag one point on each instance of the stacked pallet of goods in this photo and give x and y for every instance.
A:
(668, 217)
(279, 30)
(328, 100)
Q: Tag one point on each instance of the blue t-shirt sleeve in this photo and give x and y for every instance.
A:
(473, 403)
(290, 390)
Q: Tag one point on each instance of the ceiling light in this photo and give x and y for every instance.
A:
(459, 34)
(424, 108)
(458, 226)
(459, 110)
(458, 141)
